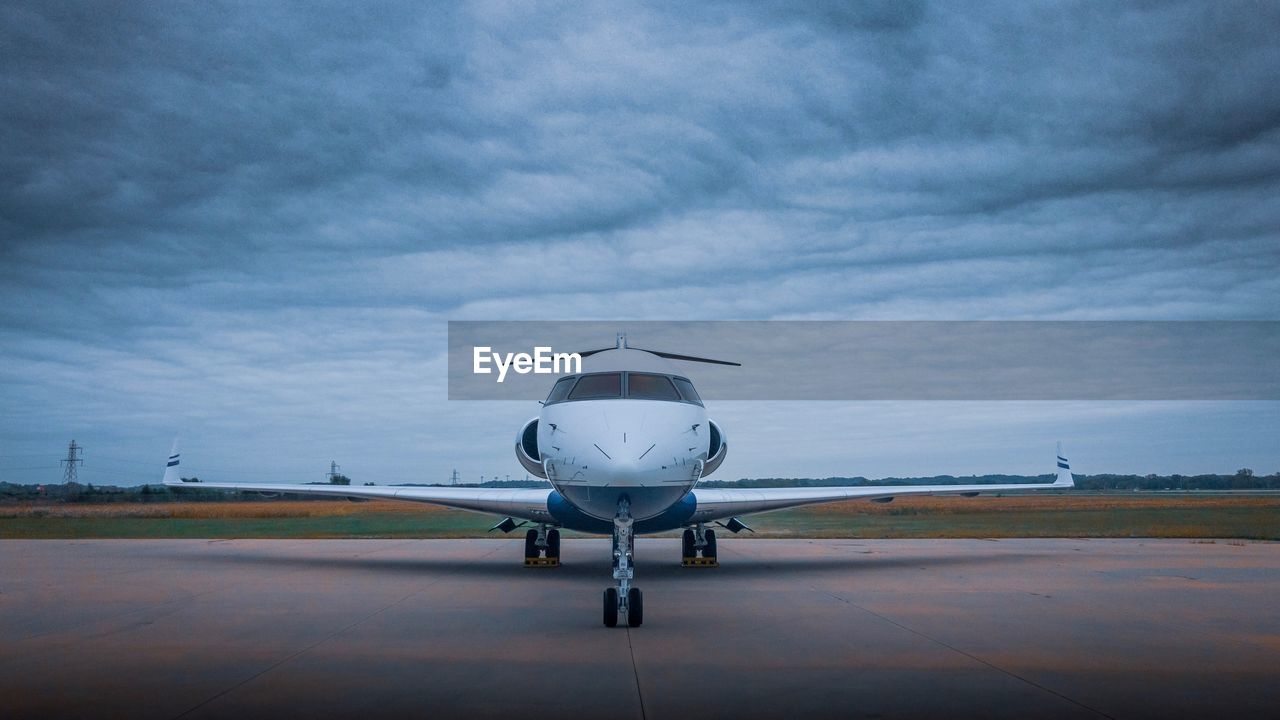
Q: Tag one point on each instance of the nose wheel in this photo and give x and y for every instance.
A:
(623, 600)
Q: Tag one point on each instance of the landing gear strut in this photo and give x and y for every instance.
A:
(623, 599)
(698, 547)
(542, 547)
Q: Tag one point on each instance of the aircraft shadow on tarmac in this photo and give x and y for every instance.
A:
(595, 564)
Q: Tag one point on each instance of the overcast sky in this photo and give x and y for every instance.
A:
(249, 224)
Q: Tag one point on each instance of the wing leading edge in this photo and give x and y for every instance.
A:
(724, 504)
(522, 504)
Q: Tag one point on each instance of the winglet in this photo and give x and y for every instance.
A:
(1065, 479)
(171, 476)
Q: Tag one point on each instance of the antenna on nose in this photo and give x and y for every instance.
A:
(622, 342)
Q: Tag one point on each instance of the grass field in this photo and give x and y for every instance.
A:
(1246, 517)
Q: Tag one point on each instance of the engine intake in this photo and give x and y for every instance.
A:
(716, 452)
(527, 449)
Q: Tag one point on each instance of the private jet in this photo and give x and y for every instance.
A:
(624, 444)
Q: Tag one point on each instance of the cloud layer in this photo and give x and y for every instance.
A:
(231, 216)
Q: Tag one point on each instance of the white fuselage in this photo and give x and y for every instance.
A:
(628, 425)
(595, 451)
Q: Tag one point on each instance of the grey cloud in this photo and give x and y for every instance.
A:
(209, 196)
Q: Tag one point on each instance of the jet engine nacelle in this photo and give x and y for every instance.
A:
(527, 449)
(719, 448)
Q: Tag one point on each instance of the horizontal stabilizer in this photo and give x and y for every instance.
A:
(622, 345)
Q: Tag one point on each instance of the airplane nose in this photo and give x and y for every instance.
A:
(627, 455)
(617, 458)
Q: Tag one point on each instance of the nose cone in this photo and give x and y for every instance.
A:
(627, 442)
(624, 471)
(649, 450)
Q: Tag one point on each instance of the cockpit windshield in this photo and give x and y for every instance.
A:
(561, 390)
(687, 393)
(633, 385)
(650, 387)
(594, 387)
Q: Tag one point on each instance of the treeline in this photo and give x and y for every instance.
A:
(1243, 479)
(190, 492)
(509, 484)
(859, 481)
(78, 493)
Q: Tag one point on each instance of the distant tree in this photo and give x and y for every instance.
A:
(1243, 479)
(339, 480)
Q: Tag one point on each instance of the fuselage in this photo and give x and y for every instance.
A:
(630, 425)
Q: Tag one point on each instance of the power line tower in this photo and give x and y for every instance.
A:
(333, 471)
(70, 462)
(453, 479)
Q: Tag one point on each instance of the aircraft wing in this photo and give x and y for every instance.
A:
(522, 504)
(717, 504)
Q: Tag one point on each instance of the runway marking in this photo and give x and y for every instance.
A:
(955, 649)
(328, 637)
(636, 672)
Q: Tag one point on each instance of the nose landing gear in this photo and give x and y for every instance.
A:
(624, 599)
(698, 545)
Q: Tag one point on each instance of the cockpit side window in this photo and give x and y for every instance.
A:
(561, 390)
(602, 385)
(686, 391)
(642, 386)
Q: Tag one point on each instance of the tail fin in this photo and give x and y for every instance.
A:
(1065, 478)
(171, 476)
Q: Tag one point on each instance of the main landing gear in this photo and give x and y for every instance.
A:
(542, 547)
(698, 547)
(623, 600)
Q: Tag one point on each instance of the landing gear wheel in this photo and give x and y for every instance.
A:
(709, 550)
(688, 547)
(531, 544)
(635, 607)
(553, 543)
(611, 607)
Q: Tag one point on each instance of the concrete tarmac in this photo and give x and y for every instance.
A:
(783, 628)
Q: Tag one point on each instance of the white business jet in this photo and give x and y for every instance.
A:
(623, 444)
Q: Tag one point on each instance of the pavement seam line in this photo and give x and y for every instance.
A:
(954, 649)
(317, 643)
(636, 673)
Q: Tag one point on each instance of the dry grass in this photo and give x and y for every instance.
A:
(1069, 515)
(1064, 515)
